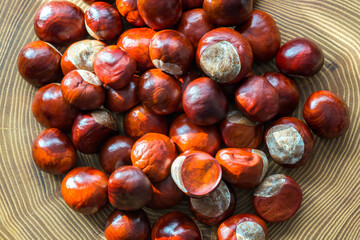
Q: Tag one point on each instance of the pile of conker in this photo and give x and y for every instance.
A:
(195, 114)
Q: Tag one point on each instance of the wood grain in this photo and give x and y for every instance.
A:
(31, 206)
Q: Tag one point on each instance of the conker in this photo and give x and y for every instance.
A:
(166, 194)
(243, 226)
(83, 90)
(160, 14)
(194, 24)
(116, 153)
(127, 225)
(257, 99)
(38, 63)
(53, 152)
(81, 55)
(51, 109)
(189, 136)
(123, 99)
(224, 55)
(300, 57)
(114, 67)
(215, 208)
(290, 142)
(136, 43)
(175, 225)
(184, 81)
(327, 114)
(103, 21)
(171, 51)
(196, 173)
(288, 92)
(128, 9)
(84, 189)
(263, 35)
(59, 22)
(139, 121)
(228, 12)
(277, 198)
(129, 188)
(154, 153)
(90, 130)
(243, 167)
(204, 102)
(238, 131)
(159, 92)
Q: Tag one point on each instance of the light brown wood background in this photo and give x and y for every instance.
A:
(31, 206)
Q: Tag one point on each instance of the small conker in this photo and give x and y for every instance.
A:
(289, 142)
(327, 114)
(154, 153)
(90, 130)
(84, 189)
(204, 102)
(39, 63)
(139, 121)
(129, 188)
(175, 225)
(300, 57)
(196, 173)
(116, 153)
(277, 198)
(103, 21)
(129, 10)
(53, 152)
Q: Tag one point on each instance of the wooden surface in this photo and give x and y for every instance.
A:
(31, 206)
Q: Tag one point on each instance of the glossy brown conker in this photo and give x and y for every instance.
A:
(263, 35)
(196, 173)
(114, 67)
(224, 55)
(103, 21)
(238, 131)
(159, 92)
(243, 167)
(175, 225)
(91, 129)
(129, 188)
(154, 153)
(136, 43)
(115, 153)
(123, 99)
(215, 208)
(194, 25)
(127, 225)
(171, 51)
(288, 92)
(53, 152)
(277, 198)
(243, 226)
(257, 99)
(228, 12)
(160, 14)
(38, 63)
(327, 114)
(139, 121)
(59, 22)
(81, 55)
(129, 10)
(289, 142)
(300, 57)
(83, 90)
(51, 109)
(84, 189)
(204, 102)
(189, 136)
